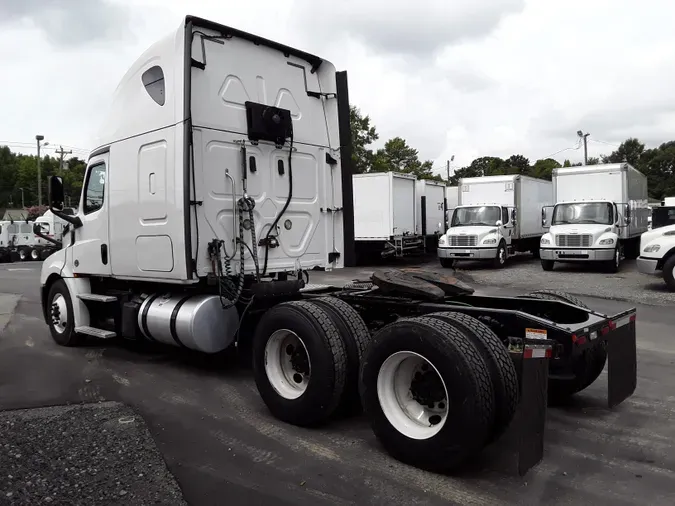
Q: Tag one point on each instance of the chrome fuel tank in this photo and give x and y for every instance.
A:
(197, 322)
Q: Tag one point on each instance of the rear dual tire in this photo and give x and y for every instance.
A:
(306, 358)
(437, 389)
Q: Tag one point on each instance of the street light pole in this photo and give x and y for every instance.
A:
(584, 137)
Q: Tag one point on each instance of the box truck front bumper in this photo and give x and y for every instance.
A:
(467, 253)
(576, 254)
(647, 265)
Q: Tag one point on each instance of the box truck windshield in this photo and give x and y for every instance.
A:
(601, 213)
(479, 215)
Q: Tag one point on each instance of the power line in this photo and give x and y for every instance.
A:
(566, 149)
(608, 143)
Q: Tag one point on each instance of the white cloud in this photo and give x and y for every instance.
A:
(470, 78)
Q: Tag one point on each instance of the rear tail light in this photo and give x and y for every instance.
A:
(604, 330)
(633, 317)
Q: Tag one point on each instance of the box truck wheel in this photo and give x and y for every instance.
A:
(447, 263)
(427, 392)
(356, 337)
(60, 315)
(547, 265)
(299, 363)
(669, 272)
(34, 254)
(613, 265)
(23, 254)
(502, 371)
(500, 259)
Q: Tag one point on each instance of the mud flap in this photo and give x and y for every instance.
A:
(622, 361)
(531, 412)
(521, 447)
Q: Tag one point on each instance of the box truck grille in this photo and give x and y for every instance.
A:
(574, 241)
(463, 240)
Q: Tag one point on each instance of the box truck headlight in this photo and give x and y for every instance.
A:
(544, 240)
(606, 241)
(652, 248)
(442, 241)
(491, 240)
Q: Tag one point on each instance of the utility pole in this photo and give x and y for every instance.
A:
(62, 153)
(39, 139)
(452, 158)
(584, 137)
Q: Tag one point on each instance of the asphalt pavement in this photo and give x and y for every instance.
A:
(223, 447)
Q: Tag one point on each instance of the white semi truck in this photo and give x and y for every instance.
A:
(386, 211)
(220, 180)
(497, 217)
(600, 213)
(657, 254)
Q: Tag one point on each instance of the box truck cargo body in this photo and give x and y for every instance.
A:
(599, 215)
(451, 201)
(431, 216)
(497, 216)
(385, 214)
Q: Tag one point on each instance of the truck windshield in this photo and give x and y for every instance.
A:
(479, 215)
(601, 213)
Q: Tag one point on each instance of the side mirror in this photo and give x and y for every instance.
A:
(628, 213)
(514, 215)
(499, 223)
(56, 197)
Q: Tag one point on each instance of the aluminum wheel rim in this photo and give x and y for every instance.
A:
(287, 364)
(502, 255)
(395, 393)
(617, 257)
(34, 255)
(22, 254)
(59, 313)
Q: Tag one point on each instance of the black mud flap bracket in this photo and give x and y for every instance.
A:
(621, 358)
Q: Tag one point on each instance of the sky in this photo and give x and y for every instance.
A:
(467, 78)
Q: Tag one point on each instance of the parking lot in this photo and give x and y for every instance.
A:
(221, 445)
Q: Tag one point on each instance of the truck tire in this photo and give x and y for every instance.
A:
(500, 260)
(60, 315)
(669, 273)
(450, 386)
(502, 371)
(613, 266)
(356, 337)
(547, 265)
(447, 263)
(557, 295)
(293, 340)
(34, 254)
(23, 254)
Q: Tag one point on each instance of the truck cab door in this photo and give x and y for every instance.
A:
(90, 251)
(546, 217)
(507, 224)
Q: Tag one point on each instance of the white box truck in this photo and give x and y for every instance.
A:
(212, 194)
(600, 213)
(385, 215)
(431, 215)
(497, 216)
(451, 201)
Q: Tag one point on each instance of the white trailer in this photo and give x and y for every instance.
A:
(600, 213)
(497, 216)
(385, 214)
(430, 219)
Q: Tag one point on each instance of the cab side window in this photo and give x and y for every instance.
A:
(95, 189)
(505, 215)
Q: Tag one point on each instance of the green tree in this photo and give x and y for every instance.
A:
(630, 151)
(363, 135)
(517, 164)
(593, 160)
(543, 169)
